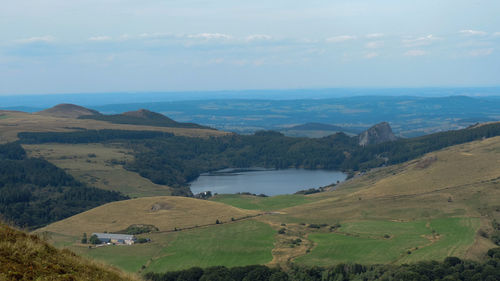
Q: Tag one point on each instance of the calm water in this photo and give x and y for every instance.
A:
(269, 182)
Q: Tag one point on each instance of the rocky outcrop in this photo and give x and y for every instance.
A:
(379, 133)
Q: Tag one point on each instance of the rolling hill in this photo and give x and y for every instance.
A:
(14, 122)
(142, 117)
(66, 110)
(165, 212)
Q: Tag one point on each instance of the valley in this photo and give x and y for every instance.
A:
(430, 202)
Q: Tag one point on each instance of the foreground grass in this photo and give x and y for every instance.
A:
(27, 257)
(373, 242)
(273, 203)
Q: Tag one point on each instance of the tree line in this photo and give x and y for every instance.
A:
(452, 268)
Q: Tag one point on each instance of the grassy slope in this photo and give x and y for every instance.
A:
(462, 183)
(25, 122)
(466, 175)
(273, 203)
(98, 169)
(174, 212)
(27, 257)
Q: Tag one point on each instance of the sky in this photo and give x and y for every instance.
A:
(91, 46)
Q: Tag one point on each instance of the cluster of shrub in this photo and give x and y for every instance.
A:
(139, 229)
(176, 160)
(34, 192)
(91, 240)
(495, 236)
(451, 268)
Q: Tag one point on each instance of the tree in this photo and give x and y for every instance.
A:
(94, 240)
(84, 238)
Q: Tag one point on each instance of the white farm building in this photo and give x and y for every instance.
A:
(116, 238)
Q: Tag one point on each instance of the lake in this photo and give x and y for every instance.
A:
(269, 182)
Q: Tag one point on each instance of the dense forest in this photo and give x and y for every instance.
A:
(176, 160)
(34, 192)
(89, 136)
(451, 268)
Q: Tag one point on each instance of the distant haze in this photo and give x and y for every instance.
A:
(43, 101)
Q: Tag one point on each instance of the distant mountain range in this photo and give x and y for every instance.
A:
(409, 116)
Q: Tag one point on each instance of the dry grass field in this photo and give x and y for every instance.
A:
(98, 165)
(166, 213)
(14, 122)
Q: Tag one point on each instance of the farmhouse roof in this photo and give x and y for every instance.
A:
(114, 236)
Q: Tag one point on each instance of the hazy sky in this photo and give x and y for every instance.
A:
(65, 46)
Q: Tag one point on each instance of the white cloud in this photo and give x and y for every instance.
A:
(100, 38)
(258, 37)
(155, 35)
(39, 39)
(374, 35)
(481, 52)
(471, 32)
(340, 38)
(371, 55)
(419, 41)
(415, 53)
(374, 44)
(209, 36)
(496, 34)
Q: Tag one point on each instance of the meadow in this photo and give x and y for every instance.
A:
(373, 242)
(236, 244)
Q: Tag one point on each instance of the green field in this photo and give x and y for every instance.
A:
(456, 236)
(230, 245)
(235, 244)
(263, 203)
(364, 242)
